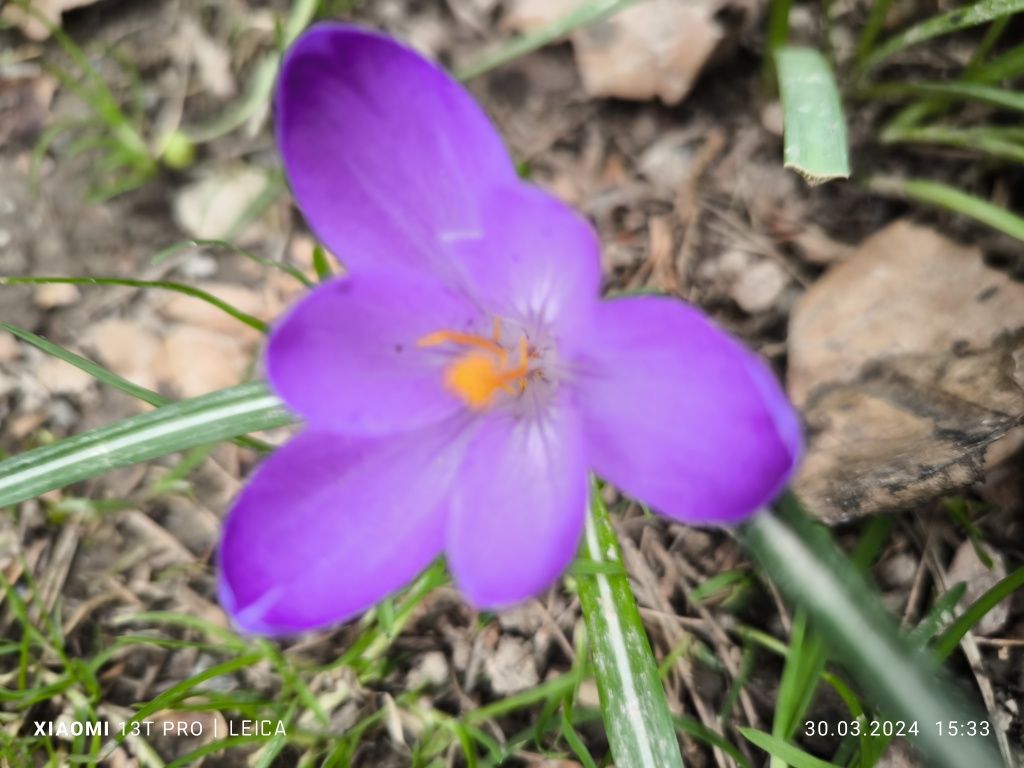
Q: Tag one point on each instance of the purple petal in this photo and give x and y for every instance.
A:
(537, 260)
(681, 416)
(346, 357)
(330, 525)
(518, 508)
(385, 152)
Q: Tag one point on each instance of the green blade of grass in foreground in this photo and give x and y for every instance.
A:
(952, 199)
(221, 415)
(783, 750)
(633, 705)
(905, 682)
(812, 116)
(952, 21)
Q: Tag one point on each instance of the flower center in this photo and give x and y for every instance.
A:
(484, 367)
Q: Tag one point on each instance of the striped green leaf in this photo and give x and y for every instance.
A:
(633, 705)
(220, 415)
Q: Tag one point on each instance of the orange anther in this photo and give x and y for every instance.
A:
(477, 376)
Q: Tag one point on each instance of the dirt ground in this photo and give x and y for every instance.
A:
(689, 198)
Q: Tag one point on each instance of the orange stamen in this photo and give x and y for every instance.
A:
(477, 376)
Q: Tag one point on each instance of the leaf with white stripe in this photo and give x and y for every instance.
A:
(633, 706)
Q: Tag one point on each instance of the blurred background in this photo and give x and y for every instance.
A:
(135, 144)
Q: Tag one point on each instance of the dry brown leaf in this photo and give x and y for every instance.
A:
(129, 350)
(62, 378)
(197, 361)
(653, 49)
(210, 208)
(908, 363)
(52, 295)
(25, 97)
(511, 667)
(968, 568)
(9, 348)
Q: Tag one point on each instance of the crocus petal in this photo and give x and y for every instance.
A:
(346, 357)
(330, 525)
(386, 154)
(518, 509)
(536, 259)
(680, 416)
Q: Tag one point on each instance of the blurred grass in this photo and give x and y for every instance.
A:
(165, 285)
(903, 680)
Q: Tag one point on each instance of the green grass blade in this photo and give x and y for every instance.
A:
(943, 24)
(815, 131)
(701, 732)
(943, 607)
(805, 663)
(951, 637)
(783, 751)
(963, 90)
(166, 285)
(872, 27)
(109, 378)
(288, 269)
(953, 199)
(220, 415)
(587, 13)
(998, 141)
(1003, 66)
(633, 705)
(907, 683)
(95, 370)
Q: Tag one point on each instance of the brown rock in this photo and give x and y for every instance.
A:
(907, 290)
(906, 361)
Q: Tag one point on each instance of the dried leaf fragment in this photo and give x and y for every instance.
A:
(651, 49)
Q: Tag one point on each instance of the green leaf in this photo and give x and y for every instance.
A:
(1004, 143)
(636, 716)
(812, 116)
(220, 415)
(963, 90)
(167, 285)
(800, 556)
(701, 732)
(805, 662)
(109, 378)
(953, 199)
(587, 13)
(943, 24)
(937, 615)
(783, 750)
(951, 637)
(321, 264)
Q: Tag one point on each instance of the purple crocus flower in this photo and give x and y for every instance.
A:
(462, 381)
